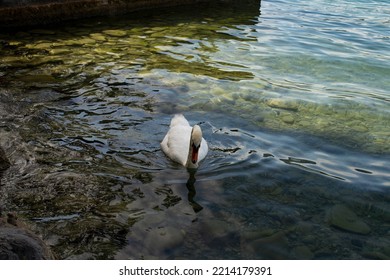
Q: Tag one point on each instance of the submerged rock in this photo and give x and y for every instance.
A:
(274, 246)
(342, 217)
(115, 33)
(17, 242)
(288, 119)
(98, 37)
(215, 230)
(87, 41)
(42, 46)
(302, 253)
(280, 103)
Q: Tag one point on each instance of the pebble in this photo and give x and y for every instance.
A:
(288, 119)
(305, 123)
(43, 46)
(359, 128)
(58, 51)
(271, 247)
(304, 227)
(115, 33)
(87, 41)
(71, 43)
(282, 104)
(342, 217)
(256, 234)
(98, 37)
(136, 42)
(215, 229)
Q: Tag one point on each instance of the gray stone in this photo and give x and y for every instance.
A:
(17, 242)
(274, 247)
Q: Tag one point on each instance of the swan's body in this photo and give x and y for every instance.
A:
(183, 143)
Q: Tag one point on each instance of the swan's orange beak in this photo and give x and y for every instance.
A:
(195, 151)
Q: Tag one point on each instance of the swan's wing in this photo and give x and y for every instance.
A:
(164, 143)
(203, 150)
(176, 143)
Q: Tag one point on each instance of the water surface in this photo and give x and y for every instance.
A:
(292, 97)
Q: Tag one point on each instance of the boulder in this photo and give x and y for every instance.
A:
(17, 242)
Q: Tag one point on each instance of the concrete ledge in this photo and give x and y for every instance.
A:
(16, 13)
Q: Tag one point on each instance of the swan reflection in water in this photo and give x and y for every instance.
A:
(192, 191)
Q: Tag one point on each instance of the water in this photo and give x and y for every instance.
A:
(292, 97)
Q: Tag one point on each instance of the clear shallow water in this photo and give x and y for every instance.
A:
(292, 98)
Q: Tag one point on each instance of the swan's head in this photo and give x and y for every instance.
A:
(196, 139)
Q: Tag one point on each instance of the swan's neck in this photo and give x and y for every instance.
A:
(193, 149)
(190, 163)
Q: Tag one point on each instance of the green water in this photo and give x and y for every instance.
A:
(292, 98)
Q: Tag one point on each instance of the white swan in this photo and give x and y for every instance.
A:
(183, 143)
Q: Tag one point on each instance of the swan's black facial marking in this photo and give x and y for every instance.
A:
(195, 152)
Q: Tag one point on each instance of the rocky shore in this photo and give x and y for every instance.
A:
(17, 241)
(37, 12)
(17, 238)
